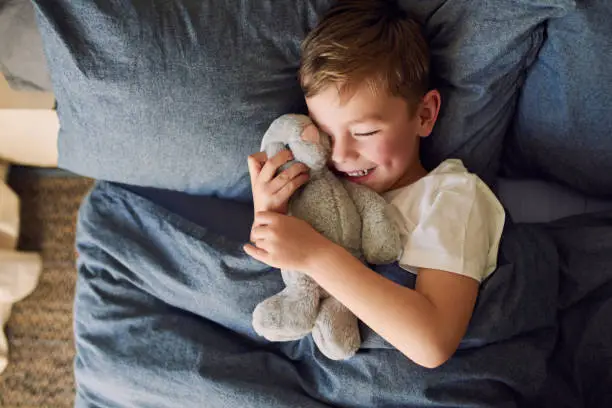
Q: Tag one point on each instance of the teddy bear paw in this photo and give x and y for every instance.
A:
(284, 317)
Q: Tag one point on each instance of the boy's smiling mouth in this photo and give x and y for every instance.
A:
(359, 173)
(355, 175)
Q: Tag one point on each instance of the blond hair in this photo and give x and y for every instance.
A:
(366, 42)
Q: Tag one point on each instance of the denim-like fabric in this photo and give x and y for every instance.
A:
(537, 201)
(163, 318)
(480, 53)
(175, 94)
(172, 94)
(580, 373)
(563, 126)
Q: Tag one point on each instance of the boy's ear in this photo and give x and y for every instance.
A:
(428, 112)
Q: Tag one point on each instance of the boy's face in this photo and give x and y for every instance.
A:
(375, 135)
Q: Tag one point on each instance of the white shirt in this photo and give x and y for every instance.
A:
(449, 220)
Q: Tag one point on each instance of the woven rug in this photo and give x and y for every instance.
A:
(40, 371)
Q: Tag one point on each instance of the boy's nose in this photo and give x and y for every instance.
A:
(343, 149)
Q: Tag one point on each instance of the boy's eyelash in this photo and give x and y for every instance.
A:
(367, 134)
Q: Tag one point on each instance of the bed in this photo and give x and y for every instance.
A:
(161, 101)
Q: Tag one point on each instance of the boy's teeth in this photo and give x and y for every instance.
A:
(358, 173)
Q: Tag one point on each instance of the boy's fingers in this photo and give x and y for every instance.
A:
(289, 188)
(255, 162)
(269, 168)
(286, 176)
(258, 233)
(259, 157)
(255, 252)
(266, 218)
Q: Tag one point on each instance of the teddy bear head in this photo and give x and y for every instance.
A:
(298, 133)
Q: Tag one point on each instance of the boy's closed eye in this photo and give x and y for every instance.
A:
(362, 134)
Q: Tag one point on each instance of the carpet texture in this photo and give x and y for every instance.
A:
(40, 333)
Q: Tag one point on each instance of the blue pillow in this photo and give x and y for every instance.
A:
(175, 94)
(563, 127)
(480, 53)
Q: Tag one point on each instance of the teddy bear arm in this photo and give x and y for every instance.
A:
(380, 236)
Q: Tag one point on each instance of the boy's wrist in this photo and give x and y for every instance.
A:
(322, 262)
(282, 209)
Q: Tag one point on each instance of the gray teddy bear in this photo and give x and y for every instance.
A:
(348, 214)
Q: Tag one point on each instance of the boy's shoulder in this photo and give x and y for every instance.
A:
(447, 189)
(451, 174)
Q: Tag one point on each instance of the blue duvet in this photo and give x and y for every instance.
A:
(164, 301)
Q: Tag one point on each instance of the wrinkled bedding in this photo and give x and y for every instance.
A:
(580, 368)
(163, 307)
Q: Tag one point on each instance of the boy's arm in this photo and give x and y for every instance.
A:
(425, 324)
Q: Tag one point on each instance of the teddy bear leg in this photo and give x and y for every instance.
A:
(336, 330)
(290, 314)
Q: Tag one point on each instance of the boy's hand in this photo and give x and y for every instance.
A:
(271, 192)
(285, 242)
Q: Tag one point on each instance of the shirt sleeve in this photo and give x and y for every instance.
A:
(459, 232)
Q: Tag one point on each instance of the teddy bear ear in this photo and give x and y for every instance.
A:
(311, 134)
(282, 130)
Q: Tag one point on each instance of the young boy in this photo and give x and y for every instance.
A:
(365, 75)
